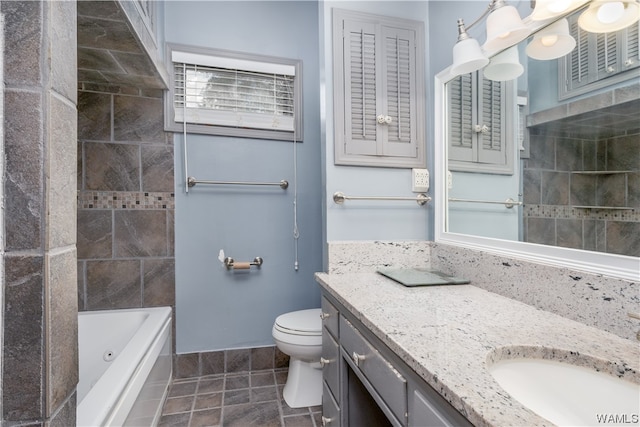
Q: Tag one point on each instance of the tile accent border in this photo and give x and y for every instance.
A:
(125, 200)
(569, 212)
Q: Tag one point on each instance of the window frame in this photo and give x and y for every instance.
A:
(171, 125)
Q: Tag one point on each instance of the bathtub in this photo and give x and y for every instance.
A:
(125, 366)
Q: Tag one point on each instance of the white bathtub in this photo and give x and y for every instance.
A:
(125, 366)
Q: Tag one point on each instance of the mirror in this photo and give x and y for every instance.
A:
(547, 166)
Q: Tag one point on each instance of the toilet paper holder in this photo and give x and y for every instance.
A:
(231, 263)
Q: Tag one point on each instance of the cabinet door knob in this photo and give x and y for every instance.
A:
(357, 358)
(324, 315)
(384, 120)
(324, 361)
(326, 421)
(483, 129)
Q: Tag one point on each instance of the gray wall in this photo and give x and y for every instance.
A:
(221, 309)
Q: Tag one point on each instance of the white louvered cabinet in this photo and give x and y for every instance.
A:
(480, 121)
(598, 60)
(378, 90)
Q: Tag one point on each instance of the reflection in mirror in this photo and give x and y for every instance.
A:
(562, 141)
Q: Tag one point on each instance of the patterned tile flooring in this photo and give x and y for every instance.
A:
(249, 399)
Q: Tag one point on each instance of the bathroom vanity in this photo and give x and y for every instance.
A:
(400, 356)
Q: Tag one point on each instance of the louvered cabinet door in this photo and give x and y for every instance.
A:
(598, 60)
(360, 88)
(492, 137)
(631, 47)
(460, 123)
(379, 100)
(398, 102)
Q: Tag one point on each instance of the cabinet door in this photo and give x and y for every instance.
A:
(378, 90)
(330, 317)
(398, 101)
(424, 414)
(480, 124)
(360, 88)
(331, 363)
(599, 60)
(330, 409)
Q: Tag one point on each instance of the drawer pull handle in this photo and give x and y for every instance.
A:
(324, 361)
(357, 358)
(324, 315)
(326, 421)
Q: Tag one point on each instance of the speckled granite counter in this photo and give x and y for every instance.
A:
(448, 334)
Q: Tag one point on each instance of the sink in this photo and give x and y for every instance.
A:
(569, 395)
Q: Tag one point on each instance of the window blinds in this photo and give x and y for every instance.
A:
(230, 92)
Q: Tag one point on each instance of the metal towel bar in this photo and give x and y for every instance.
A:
(191, 182)
(509, 203)
(339, 197)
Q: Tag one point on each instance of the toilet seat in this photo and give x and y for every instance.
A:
(302, 322)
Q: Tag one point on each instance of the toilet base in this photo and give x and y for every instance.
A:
(304, 384)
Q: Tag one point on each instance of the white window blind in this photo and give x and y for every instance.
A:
(229, 93)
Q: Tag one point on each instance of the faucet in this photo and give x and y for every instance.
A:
(635, 316)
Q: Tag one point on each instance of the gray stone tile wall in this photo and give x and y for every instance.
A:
(125, 199)
(39, 354)
(552, 189)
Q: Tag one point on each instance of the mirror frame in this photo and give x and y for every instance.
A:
(616, 266)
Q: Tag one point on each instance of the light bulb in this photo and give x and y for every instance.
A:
(559, 6)
(549, 40)
(610, 12)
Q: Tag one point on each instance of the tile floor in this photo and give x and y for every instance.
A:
(248, 399)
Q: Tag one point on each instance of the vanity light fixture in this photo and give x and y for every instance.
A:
(547, 9)
(504, 66)
(504, 28)
(605, 16)
(552, 42)
(467, 54)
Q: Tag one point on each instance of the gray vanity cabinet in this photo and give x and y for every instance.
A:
(365, 383)
(330, 362)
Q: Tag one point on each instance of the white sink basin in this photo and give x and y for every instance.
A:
(569, 395)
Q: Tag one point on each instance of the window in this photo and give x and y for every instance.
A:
(378, 90)
(228, 93)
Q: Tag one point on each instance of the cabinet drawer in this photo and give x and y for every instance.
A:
(388, 382)
(330, 317)
(330, 409)
(330, 362)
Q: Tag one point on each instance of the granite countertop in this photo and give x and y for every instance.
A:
(448, 334)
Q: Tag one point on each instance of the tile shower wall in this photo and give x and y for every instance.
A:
(39, 353)
(125, 199)
(553, 188)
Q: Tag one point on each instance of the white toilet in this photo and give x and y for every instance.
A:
(299, 334)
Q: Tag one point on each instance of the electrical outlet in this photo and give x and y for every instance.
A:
(449, 180)
(420, 180)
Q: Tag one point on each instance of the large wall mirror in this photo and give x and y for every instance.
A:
(546, 166)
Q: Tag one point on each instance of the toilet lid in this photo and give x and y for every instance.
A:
(307, 321)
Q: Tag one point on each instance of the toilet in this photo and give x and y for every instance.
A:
(299, 335)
